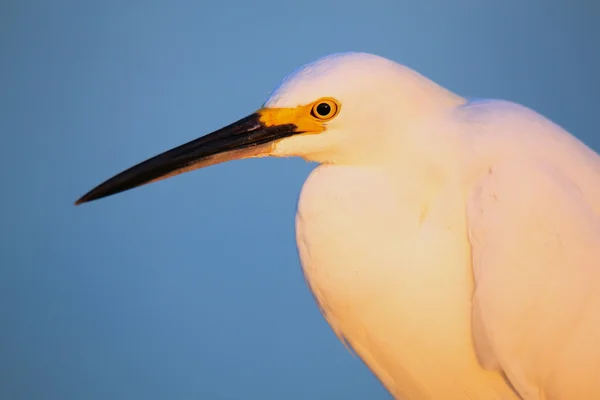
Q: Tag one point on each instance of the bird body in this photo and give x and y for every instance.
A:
(381, 299)
(453, 245)
(404, 306)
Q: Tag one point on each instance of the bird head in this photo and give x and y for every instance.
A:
(342, 108)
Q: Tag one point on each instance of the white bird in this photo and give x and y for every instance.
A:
(453, 245)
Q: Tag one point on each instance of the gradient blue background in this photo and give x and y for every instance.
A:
(191, 288)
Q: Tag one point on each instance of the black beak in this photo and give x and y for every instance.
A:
(248, 137)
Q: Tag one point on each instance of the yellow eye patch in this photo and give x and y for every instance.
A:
(307, 118)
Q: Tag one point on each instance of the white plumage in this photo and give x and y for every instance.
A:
(454, 246)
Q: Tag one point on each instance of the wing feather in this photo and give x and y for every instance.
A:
(535, 244)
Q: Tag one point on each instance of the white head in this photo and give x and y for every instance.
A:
(343, 108)
(379, 100)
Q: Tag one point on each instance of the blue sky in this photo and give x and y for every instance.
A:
(191, 287)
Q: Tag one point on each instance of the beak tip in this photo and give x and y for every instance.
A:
(86, 198)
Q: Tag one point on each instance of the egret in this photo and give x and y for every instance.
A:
(454, 245)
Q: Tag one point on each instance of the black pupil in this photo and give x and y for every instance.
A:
(323, 109)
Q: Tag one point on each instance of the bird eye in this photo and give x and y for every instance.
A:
(324, 109)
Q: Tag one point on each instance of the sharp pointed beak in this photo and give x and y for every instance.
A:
(248, 137)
